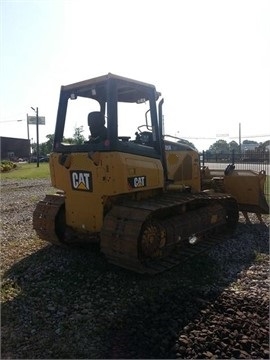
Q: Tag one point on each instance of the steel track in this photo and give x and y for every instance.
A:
(122, 227)
(120, 235)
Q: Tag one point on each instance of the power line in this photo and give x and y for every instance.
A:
(230, 137)
(9, 121)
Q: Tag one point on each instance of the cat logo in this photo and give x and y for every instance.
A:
(81, 180)
(137, 182)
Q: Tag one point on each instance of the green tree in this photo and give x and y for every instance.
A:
(44, 148)
(250, 142)
(78, 136)
(220, 147)
(68, 140)
(47, 147)
(49, 142)
(233, 146)
(264, 145)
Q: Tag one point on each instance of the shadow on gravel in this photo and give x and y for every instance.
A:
(70, 303)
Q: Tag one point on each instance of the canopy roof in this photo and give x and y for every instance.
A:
(128, 90)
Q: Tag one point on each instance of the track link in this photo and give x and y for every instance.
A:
(121, 235)
(182, 254)
(44, 218)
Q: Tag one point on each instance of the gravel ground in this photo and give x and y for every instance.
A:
(60, 303)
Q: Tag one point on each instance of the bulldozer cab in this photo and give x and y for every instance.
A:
(114, 114)
(108, 113)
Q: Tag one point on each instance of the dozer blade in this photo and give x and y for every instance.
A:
(246, 186)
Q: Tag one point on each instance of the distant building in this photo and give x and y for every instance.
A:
(13, 148)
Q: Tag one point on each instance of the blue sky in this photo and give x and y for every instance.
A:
(210, 60)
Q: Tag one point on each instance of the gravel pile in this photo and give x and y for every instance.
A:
(70, 303)
(235, 325)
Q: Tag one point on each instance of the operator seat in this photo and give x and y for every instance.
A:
(96, 123)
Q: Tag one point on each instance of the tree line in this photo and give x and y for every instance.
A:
(218, 147)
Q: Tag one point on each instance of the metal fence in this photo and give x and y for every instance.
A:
(248, 160)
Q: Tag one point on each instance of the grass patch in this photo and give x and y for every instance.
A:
(28, 171)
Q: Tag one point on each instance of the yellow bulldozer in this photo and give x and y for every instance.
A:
(141, 195)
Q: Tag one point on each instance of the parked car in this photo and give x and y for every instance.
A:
(44, 159)
(41, 159)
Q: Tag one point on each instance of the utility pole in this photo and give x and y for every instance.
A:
(240, 148)
(27, 127)
(28, 137)
(37, 135)
(37, 140)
